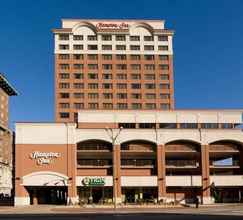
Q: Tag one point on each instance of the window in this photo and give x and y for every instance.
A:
(120, 37)
(106, 37)
(106, 47)
(227, 125)
(92, 37)
(164, 76)
(78, 95)
(188, 125)
(107, 85)
(150, 76)
(64, 66)
(78, 75)
(150, 106)
(107, 76)
(136, 96)
(93, 85)
(163, 67)
(92, 76)
(78, 85)
(121, 105)
(64, 85)
(148, 47)
(64, 105)
(150, 86)
(149, 66)
(92, 47)
(78, 56)
(135, 66)
(135, 57)
(121, 66)
(127, 125)
(107, 105)
(78, 66)
(162, 38)
(136, 105)
(107, 57)
(92, 66)
(78, 47)
(148, 38)
(64, 95)
(150, 96)
(163, 57)
(107, 66)
(164, 86)
(121, 76)
(209, 125)
(92, 56)
(93, 95)
(107, 95)
(121, 57)
(120, 47)
(163, 47)
(93, 105)
(64, 115)
(134, 38)
(63, 47)
(135, 76)
(121, 95)
(164, 96)
(63, 36)
(121, 85)
(78, 37)
(63, 56)
(147, 125)
(136, 86)
(134, 47)
(164, 106)
(167, 125)
(149, 57)
(78, 105)
(64, 75)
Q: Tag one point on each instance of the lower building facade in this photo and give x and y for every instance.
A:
(127, 157)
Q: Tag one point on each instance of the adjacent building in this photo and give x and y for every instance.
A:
(6, 142)
(112, 64)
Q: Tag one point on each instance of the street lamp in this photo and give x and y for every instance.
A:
(113, 138)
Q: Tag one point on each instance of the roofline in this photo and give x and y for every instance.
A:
(161, 111)
(111, 19)
(13, 90)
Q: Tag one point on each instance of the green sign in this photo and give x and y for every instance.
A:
(95, 181)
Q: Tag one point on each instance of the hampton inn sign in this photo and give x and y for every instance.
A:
(44, 157)
(122, 25)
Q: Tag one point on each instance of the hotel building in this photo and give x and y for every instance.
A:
(112, 64)
(6, 144)
(116, 136)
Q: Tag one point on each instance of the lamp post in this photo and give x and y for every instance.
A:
(113, 138)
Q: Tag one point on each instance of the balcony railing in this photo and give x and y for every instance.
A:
(182, 163)
(137, 163)
(94, 163)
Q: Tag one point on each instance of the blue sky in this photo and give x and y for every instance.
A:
(208, 48)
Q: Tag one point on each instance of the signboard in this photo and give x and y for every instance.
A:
(93, 181)
(112, 25)
(43, 158)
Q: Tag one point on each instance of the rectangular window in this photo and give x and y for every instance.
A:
(121, 66)
(78, 95)
(121, 76)
(134, 38)
(148, 47)
(120, 47)
(149, 57)
(163, 67)
(127, 125)
(107, 85)
(147, 125)
(164, 106)
(134, 47)
(78, 85)
(78, 105)
(64, 114)
(121, 85)
(121, 95)
(107, 66)
(106, 56)
(121, 105)
(164, 96)
(93, 66)
(149, 67)
(135, 66)
(150, 76)
(64, 75)
(148, 38)
(107, 95)
(107, 105)
(188, 125)
(63, 47)
(78, 47)
(92, 37)
(78, 56)
(164, 76)
(150, 106)
(107, 37)
(121, 57)
(106, 47)
(136, 96)
(64, 105)
(64, 66)
(209, 125)
(163, 47)
(164, 86)
(149, 86)
(107, 76)
(78, 37)
(135, 76)
(120, 37)
(92, 56)
(135, 57)
(92, 47)
(64, 85)
(93, 85)
(63, 56)
(93, 95)
(63, 36)
(78, 66)
(64, 95)
(78, 75)
(163, 57)
(93, 105)
(150, 96)
(167, 125)
(136, 86)
(162, 38)
(92, 76)
(136, 105)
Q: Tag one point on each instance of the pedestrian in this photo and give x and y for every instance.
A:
(196, 202)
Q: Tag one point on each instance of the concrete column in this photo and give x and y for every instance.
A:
(206, 197)
(161, 172)
(21, 194)
(72, 173)
(117, 174)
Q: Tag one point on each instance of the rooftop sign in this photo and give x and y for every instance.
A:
(102, 25)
